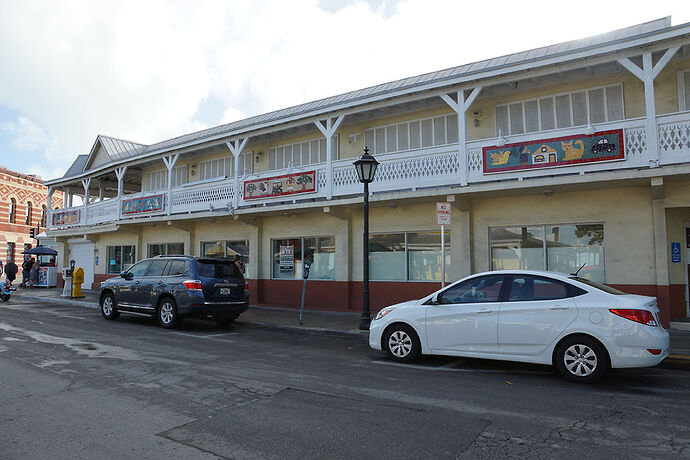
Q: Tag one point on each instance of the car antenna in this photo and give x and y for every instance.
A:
(578, 270)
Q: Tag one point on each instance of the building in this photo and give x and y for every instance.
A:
(572, 156)
(23, 206)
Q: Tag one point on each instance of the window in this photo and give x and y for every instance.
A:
(427, 132)
(528, 288)
(166, 249)
(561, 110)
(27, 221)
(120, 258)
(475, 290)
(12, 211)
(684, 90)
(225, 167)
(158, 180)
(407, 256)
(138, 270)
(563, 248)
(44, 216)
(301, 154)
(227, 249)
(157, 267)
(10, 251)
(177, 267)
(289, 254)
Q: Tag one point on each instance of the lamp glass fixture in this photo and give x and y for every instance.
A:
(366, 167)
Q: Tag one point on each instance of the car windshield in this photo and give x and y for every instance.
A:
(219, 269)
(594, 284)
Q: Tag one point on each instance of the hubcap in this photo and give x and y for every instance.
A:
(400, 344)
(580, 360)
(107, 306)
(166, 313)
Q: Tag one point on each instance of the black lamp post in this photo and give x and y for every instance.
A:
(366, 169)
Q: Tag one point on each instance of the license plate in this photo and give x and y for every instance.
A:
(224, 291)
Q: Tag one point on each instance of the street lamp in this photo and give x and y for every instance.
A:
(366, 169)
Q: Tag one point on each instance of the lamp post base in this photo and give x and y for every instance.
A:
(364, 325)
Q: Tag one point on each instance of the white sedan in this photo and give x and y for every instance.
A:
(579, 326)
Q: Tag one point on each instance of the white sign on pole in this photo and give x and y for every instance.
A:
(443, 213)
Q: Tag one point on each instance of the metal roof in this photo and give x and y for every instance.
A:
(119, 149)
(77, 167)
(409, 84)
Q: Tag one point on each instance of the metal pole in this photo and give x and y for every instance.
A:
(301, 308)
(366, 316)
(443, 256)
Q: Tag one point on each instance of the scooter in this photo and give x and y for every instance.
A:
(6, 290)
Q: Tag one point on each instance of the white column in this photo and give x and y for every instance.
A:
(170, 161)
(120, 174)
(65, 197)
(86, 183)
(100, 191)
(49, 200)
(236, 148)
(460, 107)
(329, 130)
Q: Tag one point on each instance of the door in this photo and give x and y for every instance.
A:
(466, 317)
(537, 309)
(146, 293)
(83, 255)
(130, 293)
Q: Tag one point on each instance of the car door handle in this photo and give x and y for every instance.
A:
(485, 310)
(559, 308)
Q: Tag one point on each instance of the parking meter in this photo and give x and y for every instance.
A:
(72, 263)
(307, 266)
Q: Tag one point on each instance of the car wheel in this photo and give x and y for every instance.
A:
(402, 344)
(581, 359)
(167, 313)
(108, 308)
(5, 297)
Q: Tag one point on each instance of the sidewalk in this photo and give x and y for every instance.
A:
(325, 322)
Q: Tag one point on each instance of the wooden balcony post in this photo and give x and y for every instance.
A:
(328, 130)
(170, 161)
(460, 106)
(236, 148)
(120, 174)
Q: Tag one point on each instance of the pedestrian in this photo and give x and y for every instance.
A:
(26, 271)
(239, 263)
(1, 268)
(11, 270)
(33, 273)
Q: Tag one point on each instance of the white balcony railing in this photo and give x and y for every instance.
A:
(410, 170)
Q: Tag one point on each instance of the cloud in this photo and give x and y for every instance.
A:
(27, 135)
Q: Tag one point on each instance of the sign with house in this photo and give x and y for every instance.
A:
(560, 151)
(287, 184)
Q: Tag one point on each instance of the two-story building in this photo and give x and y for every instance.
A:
(575, 155)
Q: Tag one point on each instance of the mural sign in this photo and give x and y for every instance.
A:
(561, 151)
(142, 205)
(65, 217)
(288, 184)
(287, 259)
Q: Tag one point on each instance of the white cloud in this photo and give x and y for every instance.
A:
(26, 134)
(141, 70)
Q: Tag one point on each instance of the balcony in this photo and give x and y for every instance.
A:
(411, 170)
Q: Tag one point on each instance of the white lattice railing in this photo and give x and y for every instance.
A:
(208, 196)
(103, 211)
(674, 138)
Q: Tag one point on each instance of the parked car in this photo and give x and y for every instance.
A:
(174, 287)
(581, 327)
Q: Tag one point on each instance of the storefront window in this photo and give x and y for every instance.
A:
(120, 258)
(407, 256)
(289, 254)
(228, 249)
(563, 248)
(166, 249)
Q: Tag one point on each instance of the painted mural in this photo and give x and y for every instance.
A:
(561, 151)
(65, 217)
(288, 184)
(142, 205)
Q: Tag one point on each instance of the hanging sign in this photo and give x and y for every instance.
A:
(65, 217)
(288, 184)
(443, 213)
(560, 151)
(287, 259)
(142, 205)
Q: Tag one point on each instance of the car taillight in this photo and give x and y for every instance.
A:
(246, 287)
(654, 351)
(639, 316)
(193, 285)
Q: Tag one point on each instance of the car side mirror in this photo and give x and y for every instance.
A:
(433, 300)
(126, 275)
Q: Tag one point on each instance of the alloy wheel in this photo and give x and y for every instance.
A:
(167, 313)
(400, 344)
(580, 360)
(107, 306)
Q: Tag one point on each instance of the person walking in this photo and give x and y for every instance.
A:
(11, 270)
(33, 273)
(239, 263)
(26, 271)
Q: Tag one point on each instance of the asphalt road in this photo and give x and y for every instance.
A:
(73, 385)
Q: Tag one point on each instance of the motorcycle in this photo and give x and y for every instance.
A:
(6, 290)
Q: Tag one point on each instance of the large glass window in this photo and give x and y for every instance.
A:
(228, 249)
(595, 105)
(413, 256)
(29, 210)
(120, 258)
(10, 251)
(564, 248)
(166, 249)
(290, 254)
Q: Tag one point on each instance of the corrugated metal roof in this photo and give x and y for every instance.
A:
(77, 166)
(119, 149)
(405, 83)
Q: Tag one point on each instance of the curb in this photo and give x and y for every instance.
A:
(266, 326)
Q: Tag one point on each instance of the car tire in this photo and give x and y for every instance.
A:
(402, 343)
(582, 359)
(4, 297)
(167, 313)
(108, 307)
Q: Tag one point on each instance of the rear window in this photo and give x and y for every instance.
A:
(176, 267)
(601, 287)
(218, 269)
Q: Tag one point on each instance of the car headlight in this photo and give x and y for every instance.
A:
(383, 313)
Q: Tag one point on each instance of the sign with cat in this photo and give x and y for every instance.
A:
(560, 151)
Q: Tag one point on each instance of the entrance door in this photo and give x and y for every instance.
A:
(83, 255)
(687, 270)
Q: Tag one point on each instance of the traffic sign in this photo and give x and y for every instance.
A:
(443, 213)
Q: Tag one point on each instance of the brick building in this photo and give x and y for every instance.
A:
(22, 207)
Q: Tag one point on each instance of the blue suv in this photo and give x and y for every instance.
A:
(174, 287)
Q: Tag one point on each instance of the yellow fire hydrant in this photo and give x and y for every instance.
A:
(77, 280)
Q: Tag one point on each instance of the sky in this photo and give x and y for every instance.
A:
(149, 70)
